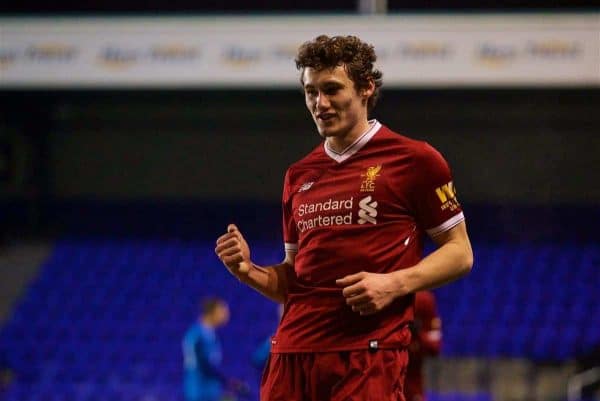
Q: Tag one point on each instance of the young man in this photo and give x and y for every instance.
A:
(203, 380)
(426, 342)
(355, 210)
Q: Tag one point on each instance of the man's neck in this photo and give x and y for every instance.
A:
(208, 322)
(340, 143)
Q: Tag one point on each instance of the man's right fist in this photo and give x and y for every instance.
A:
(234, 252)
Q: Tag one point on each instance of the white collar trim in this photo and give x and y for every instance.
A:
(357, 145)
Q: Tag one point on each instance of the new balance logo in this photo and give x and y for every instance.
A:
(306, 186)
(367, 211)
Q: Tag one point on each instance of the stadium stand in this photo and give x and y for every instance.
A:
(105, 317)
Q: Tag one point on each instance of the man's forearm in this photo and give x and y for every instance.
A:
(447, 263)
(270, 281)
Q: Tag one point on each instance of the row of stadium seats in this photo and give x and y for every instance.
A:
(105, 317)
(535, 301)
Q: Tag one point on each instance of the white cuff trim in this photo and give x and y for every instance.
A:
(447, 225)
(290, 247)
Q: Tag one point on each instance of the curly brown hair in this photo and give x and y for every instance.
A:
(356, 56)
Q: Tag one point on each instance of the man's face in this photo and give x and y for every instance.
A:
(221, 315)
(332, 99)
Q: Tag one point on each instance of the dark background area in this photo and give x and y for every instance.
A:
(528, 146)
(208, 155)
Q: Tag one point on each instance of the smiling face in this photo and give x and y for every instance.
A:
(337, 108)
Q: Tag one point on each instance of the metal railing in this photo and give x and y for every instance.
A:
(579, 381)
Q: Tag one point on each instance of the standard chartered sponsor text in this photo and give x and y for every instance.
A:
(306, 209)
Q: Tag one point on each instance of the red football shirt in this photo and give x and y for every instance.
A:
(364, 209)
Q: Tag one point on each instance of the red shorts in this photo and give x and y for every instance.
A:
(335, 376)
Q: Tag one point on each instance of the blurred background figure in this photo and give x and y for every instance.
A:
(426, 342)
(202, 354)
(261, 353)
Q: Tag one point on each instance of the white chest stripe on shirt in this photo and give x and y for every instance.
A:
(356, 145)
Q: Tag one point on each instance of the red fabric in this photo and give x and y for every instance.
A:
(335, 376)
(400, 180)
(426, 343)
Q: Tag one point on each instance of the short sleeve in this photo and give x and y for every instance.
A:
(290, 235)
(434, 197)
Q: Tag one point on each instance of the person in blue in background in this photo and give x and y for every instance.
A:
(203, 379)
(261, 353)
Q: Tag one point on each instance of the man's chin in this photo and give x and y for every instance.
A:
(325, 132)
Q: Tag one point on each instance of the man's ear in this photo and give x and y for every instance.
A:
(369, 90)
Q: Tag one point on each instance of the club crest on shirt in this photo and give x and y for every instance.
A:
(368, 183)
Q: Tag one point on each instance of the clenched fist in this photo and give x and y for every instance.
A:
(234, 252)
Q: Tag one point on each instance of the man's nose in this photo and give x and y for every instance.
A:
(322, 101)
